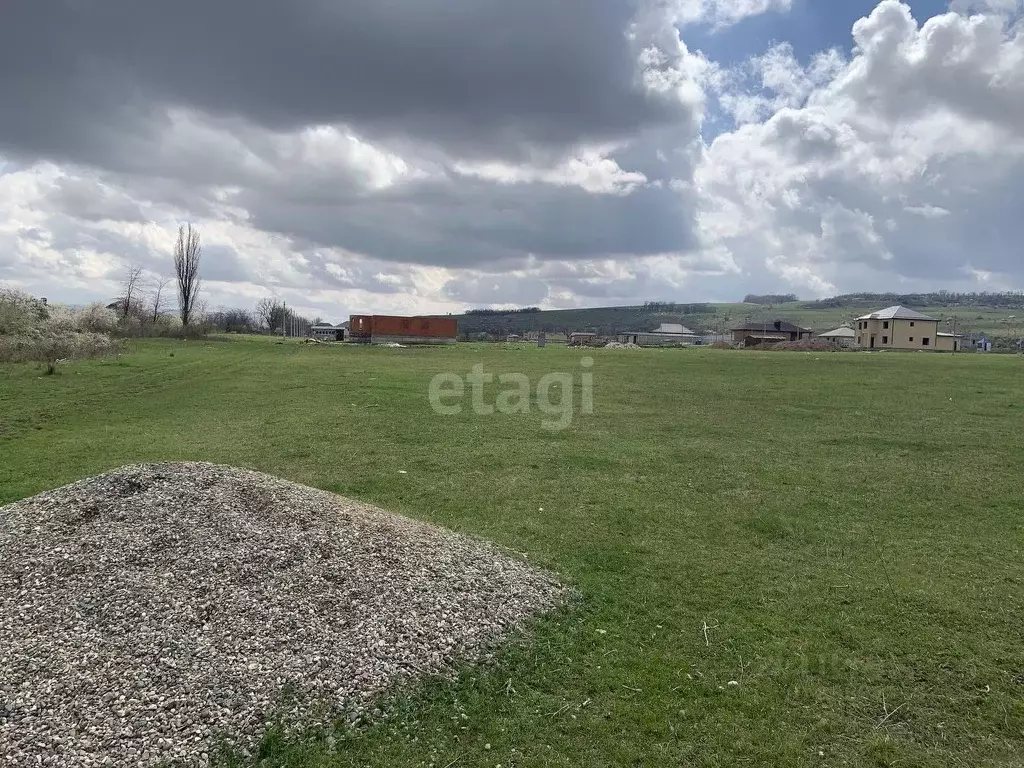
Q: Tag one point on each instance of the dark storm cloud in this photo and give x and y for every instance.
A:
(197, 110)
(486, 290)
(363, 274)
(466, 222)
(93, 201)
(482, 76)
(221, 263)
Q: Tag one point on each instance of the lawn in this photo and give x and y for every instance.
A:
(784, 558)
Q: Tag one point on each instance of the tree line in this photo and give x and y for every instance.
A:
(770, 298)
(494, 312)
(670, 307)
(1004, 300)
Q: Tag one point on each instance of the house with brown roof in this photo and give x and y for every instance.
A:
(758, 333)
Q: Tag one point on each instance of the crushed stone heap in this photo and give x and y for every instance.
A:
(147, 610)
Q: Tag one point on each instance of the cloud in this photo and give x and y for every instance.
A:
(480, 77)
(721, 13)
(927, 211)
(591, 170)
(431, 156)
(893, 167)
(398, 135)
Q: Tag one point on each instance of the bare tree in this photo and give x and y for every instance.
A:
(187, 254)
(231, 320)
(159, 284)
(130, 286)
(271, 313)
(264, 312)
(200, 316)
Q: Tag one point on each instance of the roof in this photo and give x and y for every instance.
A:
(676, 329)
(839, 333)
(583, 333)
(782, 326)
(685, 332)
(896, 313)
(951, 335)
(325, 325)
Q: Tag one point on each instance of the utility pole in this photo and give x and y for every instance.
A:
(284, 319)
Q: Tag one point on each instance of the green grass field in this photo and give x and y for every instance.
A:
(847, 527)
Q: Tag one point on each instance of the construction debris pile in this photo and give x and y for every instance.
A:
(805, 345)
(146, 611)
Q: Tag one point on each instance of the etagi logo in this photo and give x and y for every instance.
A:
(554, 394)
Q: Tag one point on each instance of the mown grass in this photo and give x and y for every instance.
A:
(847, 526)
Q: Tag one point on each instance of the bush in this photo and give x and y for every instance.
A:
(32, 331)
(54, 348)
(19, 312)
(60, 319)
(97, 319)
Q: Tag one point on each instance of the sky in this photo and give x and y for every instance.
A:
(429, 156)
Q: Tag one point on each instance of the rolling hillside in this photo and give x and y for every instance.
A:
(999, 316)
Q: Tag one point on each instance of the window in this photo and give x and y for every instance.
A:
(885, 324)
(925, 341)
(885, 339)
(911, 325)
(858, 339)
(911, 339)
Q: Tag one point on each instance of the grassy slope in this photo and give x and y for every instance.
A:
(848, 526)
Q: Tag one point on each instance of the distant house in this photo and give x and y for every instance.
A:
(903, 328)
(327, 332)
(755, 334)
(984, 344)
(667, 334)
(843, 336)
(582, 339)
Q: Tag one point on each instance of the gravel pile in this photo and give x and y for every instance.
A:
(146, 610)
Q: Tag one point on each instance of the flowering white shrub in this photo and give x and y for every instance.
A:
(19, 312)
(50, 333)
(96, 319)
(54, 348)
